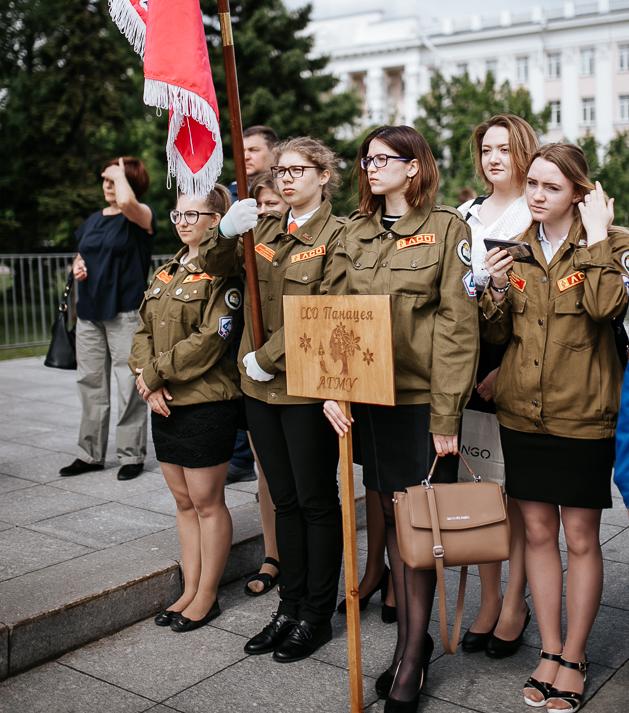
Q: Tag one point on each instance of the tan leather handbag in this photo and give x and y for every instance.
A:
(451, 525)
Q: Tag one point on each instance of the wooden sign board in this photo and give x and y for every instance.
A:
(340, 347)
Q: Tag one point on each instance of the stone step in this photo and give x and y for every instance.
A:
(61, 607)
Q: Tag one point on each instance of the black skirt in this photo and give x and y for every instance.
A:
(573, 472)
(196, 436)
(396, 447)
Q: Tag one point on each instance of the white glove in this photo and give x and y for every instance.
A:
(254, 370)
(241, 217)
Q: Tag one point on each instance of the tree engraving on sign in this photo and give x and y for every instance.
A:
(352, 337)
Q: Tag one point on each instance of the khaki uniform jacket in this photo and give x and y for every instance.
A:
(561, 374)
(288, 264)
(188, 318)
(424, 263)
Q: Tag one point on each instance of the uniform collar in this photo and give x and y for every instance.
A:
(191, 266)
(309, 232)
(407, 225)
(532, 237)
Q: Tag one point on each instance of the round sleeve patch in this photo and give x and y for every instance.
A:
(464, 253)
(233, 298)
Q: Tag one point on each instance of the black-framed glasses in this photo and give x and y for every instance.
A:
(380, 160)
(293, 171)
(190, 216)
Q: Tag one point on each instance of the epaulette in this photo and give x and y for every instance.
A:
(447, 209)
(356, 214)
(271, 214)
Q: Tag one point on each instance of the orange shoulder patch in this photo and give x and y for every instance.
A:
(565, 283)
(517, 282)
(265, 251)
(197, 277)
(421, 239)
(308, 254)
(164, 276)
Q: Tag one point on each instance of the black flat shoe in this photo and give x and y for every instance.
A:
(385, 679)
(302, 641)
(165, 617)
(130, 471)
(382, 587)
(473, 642)
(500, 648)
(271, 636)
(388, 614)
(181, 623)
(79, 466)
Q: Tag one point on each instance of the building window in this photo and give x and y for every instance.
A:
(491, 65)
(587, 62)
(522, 70)
(623, 58)
(555, 114)
(588, 113)
(461, 68)
(553, 65)
(623, 104)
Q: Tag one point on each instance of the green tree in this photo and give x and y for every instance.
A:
(281, 83)
(71, 99)
(448, 114)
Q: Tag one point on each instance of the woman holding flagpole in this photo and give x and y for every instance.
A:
(297, 450)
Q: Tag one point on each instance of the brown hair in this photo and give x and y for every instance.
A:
(406, 142)
(523, 144)
(134, 171)
(262, 180)
(571, 161)
(266, 132)
(219, 199)
(318, 154)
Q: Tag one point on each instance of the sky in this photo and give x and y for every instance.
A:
(447, 8)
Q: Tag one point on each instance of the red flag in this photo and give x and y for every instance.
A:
(177, 77)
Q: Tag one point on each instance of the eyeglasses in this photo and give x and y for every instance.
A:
(293, 171)
(190, 216)
(380, 160)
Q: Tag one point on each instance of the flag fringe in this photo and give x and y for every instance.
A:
(197, 184)
(129, 23)
(181, 101)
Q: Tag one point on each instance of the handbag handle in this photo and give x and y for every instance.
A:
(426, 481)
(63, 304)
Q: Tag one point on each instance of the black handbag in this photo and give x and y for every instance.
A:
(62, 350)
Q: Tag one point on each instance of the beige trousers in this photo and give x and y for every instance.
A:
(100, 348)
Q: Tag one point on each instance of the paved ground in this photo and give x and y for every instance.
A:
(44, 521)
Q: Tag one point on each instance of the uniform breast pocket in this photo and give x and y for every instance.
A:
(572, 327)
(518, 313)
(414, 272)
(304, 278)
(187, 306)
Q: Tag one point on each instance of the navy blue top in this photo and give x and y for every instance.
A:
(117, 254)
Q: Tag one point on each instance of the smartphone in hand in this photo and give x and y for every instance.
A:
(519, 251)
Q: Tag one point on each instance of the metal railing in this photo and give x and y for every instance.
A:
(30, 287)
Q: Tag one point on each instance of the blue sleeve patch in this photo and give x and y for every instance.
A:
(469, 284)
(225, 325)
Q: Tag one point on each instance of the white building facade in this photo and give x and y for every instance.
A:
(573, 57)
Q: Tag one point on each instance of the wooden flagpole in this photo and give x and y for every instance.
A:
(233, 99)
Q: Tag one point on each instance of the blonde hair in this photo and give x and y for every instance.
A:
(523, 144)
(318, 154)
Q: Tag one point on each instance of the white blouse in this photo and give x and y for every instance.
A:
(515, 220)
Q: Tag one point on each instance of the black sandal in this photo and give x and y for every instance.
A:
(573, 699)
(541, 686)
(268, 580)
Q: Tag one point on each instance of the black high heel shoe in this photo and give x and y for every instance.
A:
(501, 648)
(385, 679)
(382, 587)
(392, 705)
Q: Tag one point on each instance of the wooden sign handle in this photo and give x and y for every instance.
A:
(351, 566)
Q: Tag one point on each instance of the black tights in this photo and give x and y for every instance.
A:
(414, 592)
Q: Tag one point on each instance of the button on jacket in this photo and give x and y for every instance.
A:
(296, 263)
(188, 317)
(424, 262)
(561, 373)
